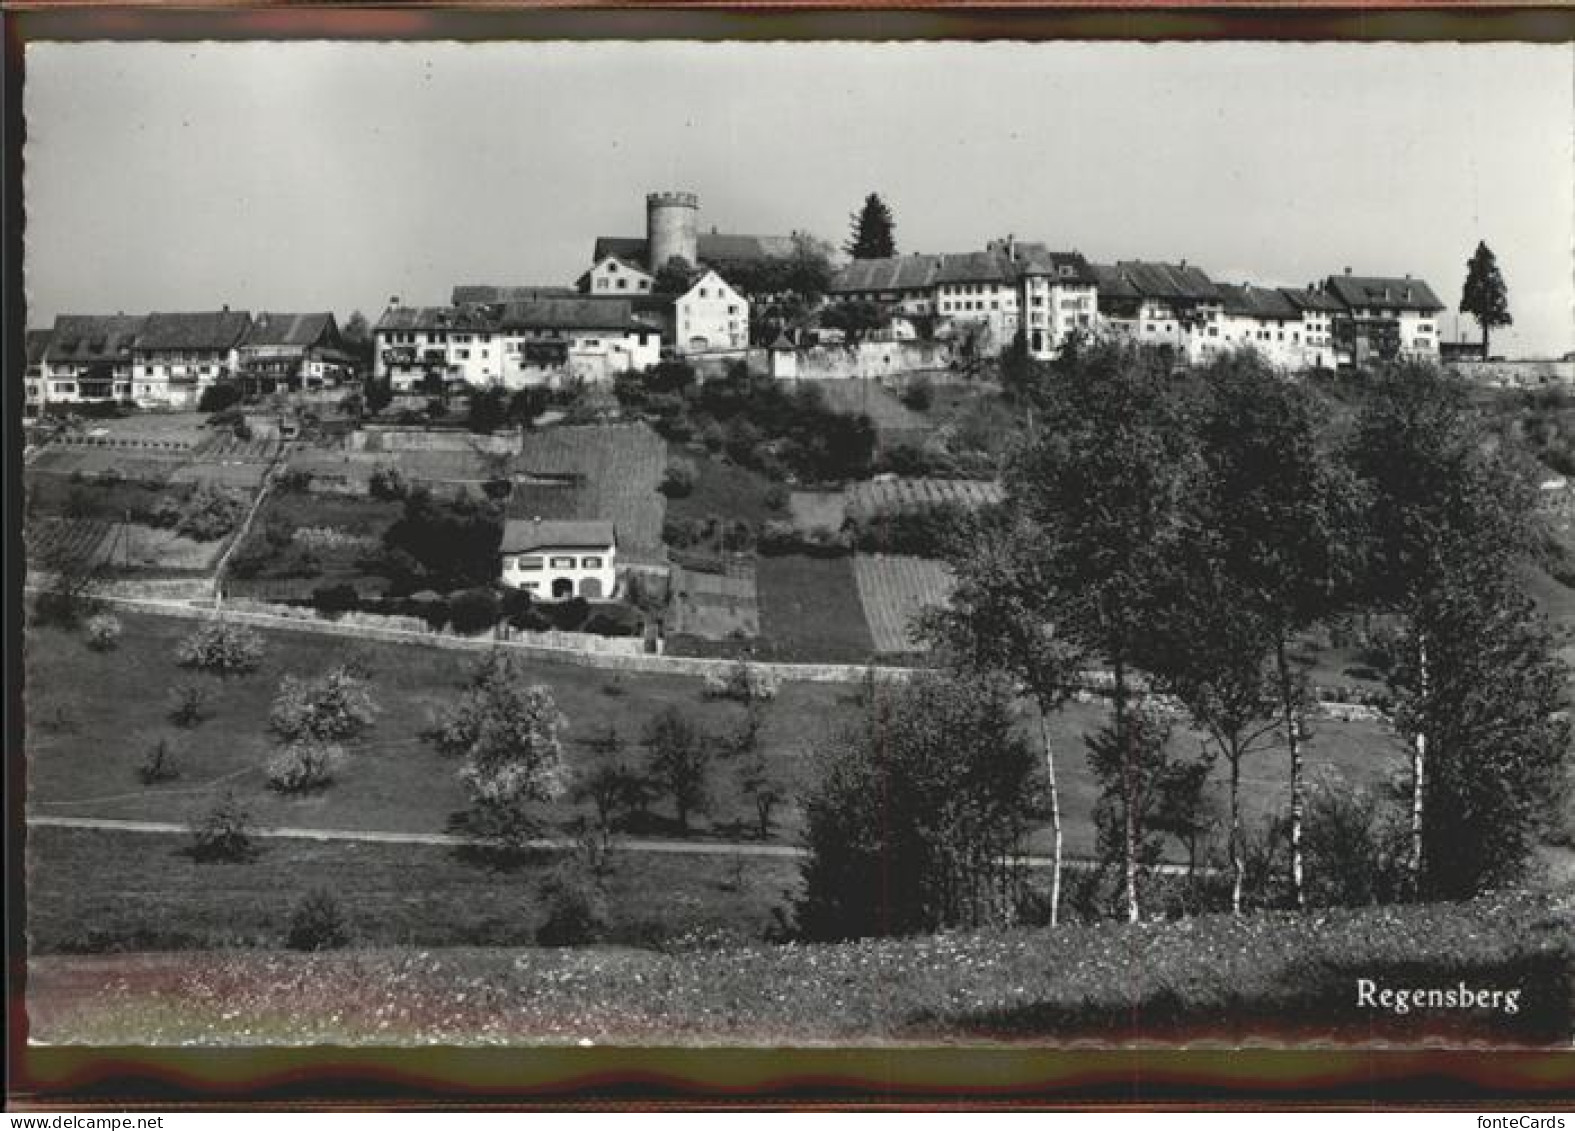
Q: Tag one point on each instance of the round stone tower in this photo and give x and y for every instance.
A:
(672, 227)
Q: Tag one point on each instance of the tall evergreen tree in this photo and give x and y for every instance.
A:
(1484, 296)
(874, 232)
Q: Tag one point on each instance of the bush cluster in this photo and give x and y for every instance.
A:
(222, 648)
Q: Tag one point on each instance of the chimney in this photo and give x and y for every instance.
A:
(393, 300)
(1347, 270)
(226, 308)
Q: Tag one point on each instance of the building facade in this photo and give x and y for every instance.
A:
(512, 344)
(1384, 318)
(293, 351)
(613, 277)
(176, 356)
(89, 358)
(710, 316)
(558, 560)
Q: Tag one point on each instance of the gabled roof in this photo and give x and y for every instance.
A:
(572, 314)
(1248, 301)
(521, 535)
(711, 247)
(470, 317)
(1034, 260)
(896, 273)
(1379, 291)
(976, 267)
(269, 329)
(1310, 299)
(212, 330)
(701, 276)
(1136, 278)
(467, 293)
(627, 264)
(37, 344)
(94, 337)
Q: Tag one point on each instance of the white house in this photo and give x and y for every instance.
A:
(710, 316)
(1384, 318)
(176, 356)
(977, 290)
(1060, 296)
(614, 277)
(88, 358)
(554, 560)
(428, 347)
(589, 339)
(1161, 304)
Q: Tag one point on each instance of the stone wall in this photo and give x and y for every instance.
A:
(1516, 374)
(861, 360)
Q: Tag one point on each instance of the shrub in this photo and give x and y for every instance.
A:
(576, 909)
(243, 430)
(679, 480)
(103, 632)
(304, 766)
(222, 648)
(919, 394)
(219, 396)
(209, 515)
(335, 707)
(158, 764)
(497, 489)
(474, 610)
(317, 923)
(743, 683)
(188, 704)
(1355, 847)
(777, 497)
(778, 536)
(332, 600)
(224, 834)
(387, 482)
(295, 481)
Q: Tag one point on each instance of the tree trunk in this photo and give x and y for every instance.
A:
(1055, 815)
(1128, 820)
(1418, 768)
(1484, 341)
(1293, 740)
(1237, 868)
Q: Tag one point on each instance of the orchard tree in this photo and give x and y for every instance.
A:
(873, 234)
(918, 811)
(678, 762)
(999, 619)
(1103, 480)
(1484, 296)
(509, 736)
(1446, 515)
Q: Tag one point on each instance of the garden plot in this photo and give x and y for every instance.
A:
(713, 607)
(894, 592)
(887, 496)
(817, 510)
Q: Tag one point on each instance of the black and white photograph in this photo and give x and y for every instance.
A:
(798, 544)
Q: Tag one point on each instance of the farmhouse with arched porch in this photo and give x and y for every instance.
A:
(554, 560)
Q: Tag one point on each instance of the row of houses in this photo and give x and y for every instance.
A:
(168, 359)
(1014, 288)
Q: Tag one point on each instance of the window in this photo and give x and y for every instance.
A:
(590, 563)
(623, 284)
(562, 563)
(732, 309)
(601, 284)
(612, 268)
(510, 562)
(704, 293)
(530, 563)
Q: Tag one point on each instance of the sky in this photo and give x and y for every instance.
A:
(313, 176)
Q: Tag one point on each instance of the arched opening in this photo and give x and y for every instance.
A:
(562, 589)
(591, 589)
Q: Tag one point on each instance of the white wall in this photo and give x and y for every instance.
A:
(609, 277)
(576, 565)
(711, 316)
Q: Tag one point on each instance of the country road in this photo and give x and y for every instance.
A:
(547, 844)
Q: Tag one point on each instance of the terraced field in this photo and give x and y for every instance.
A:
(889, 496)
(613, 472)
(76, 539)
(894, 590)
